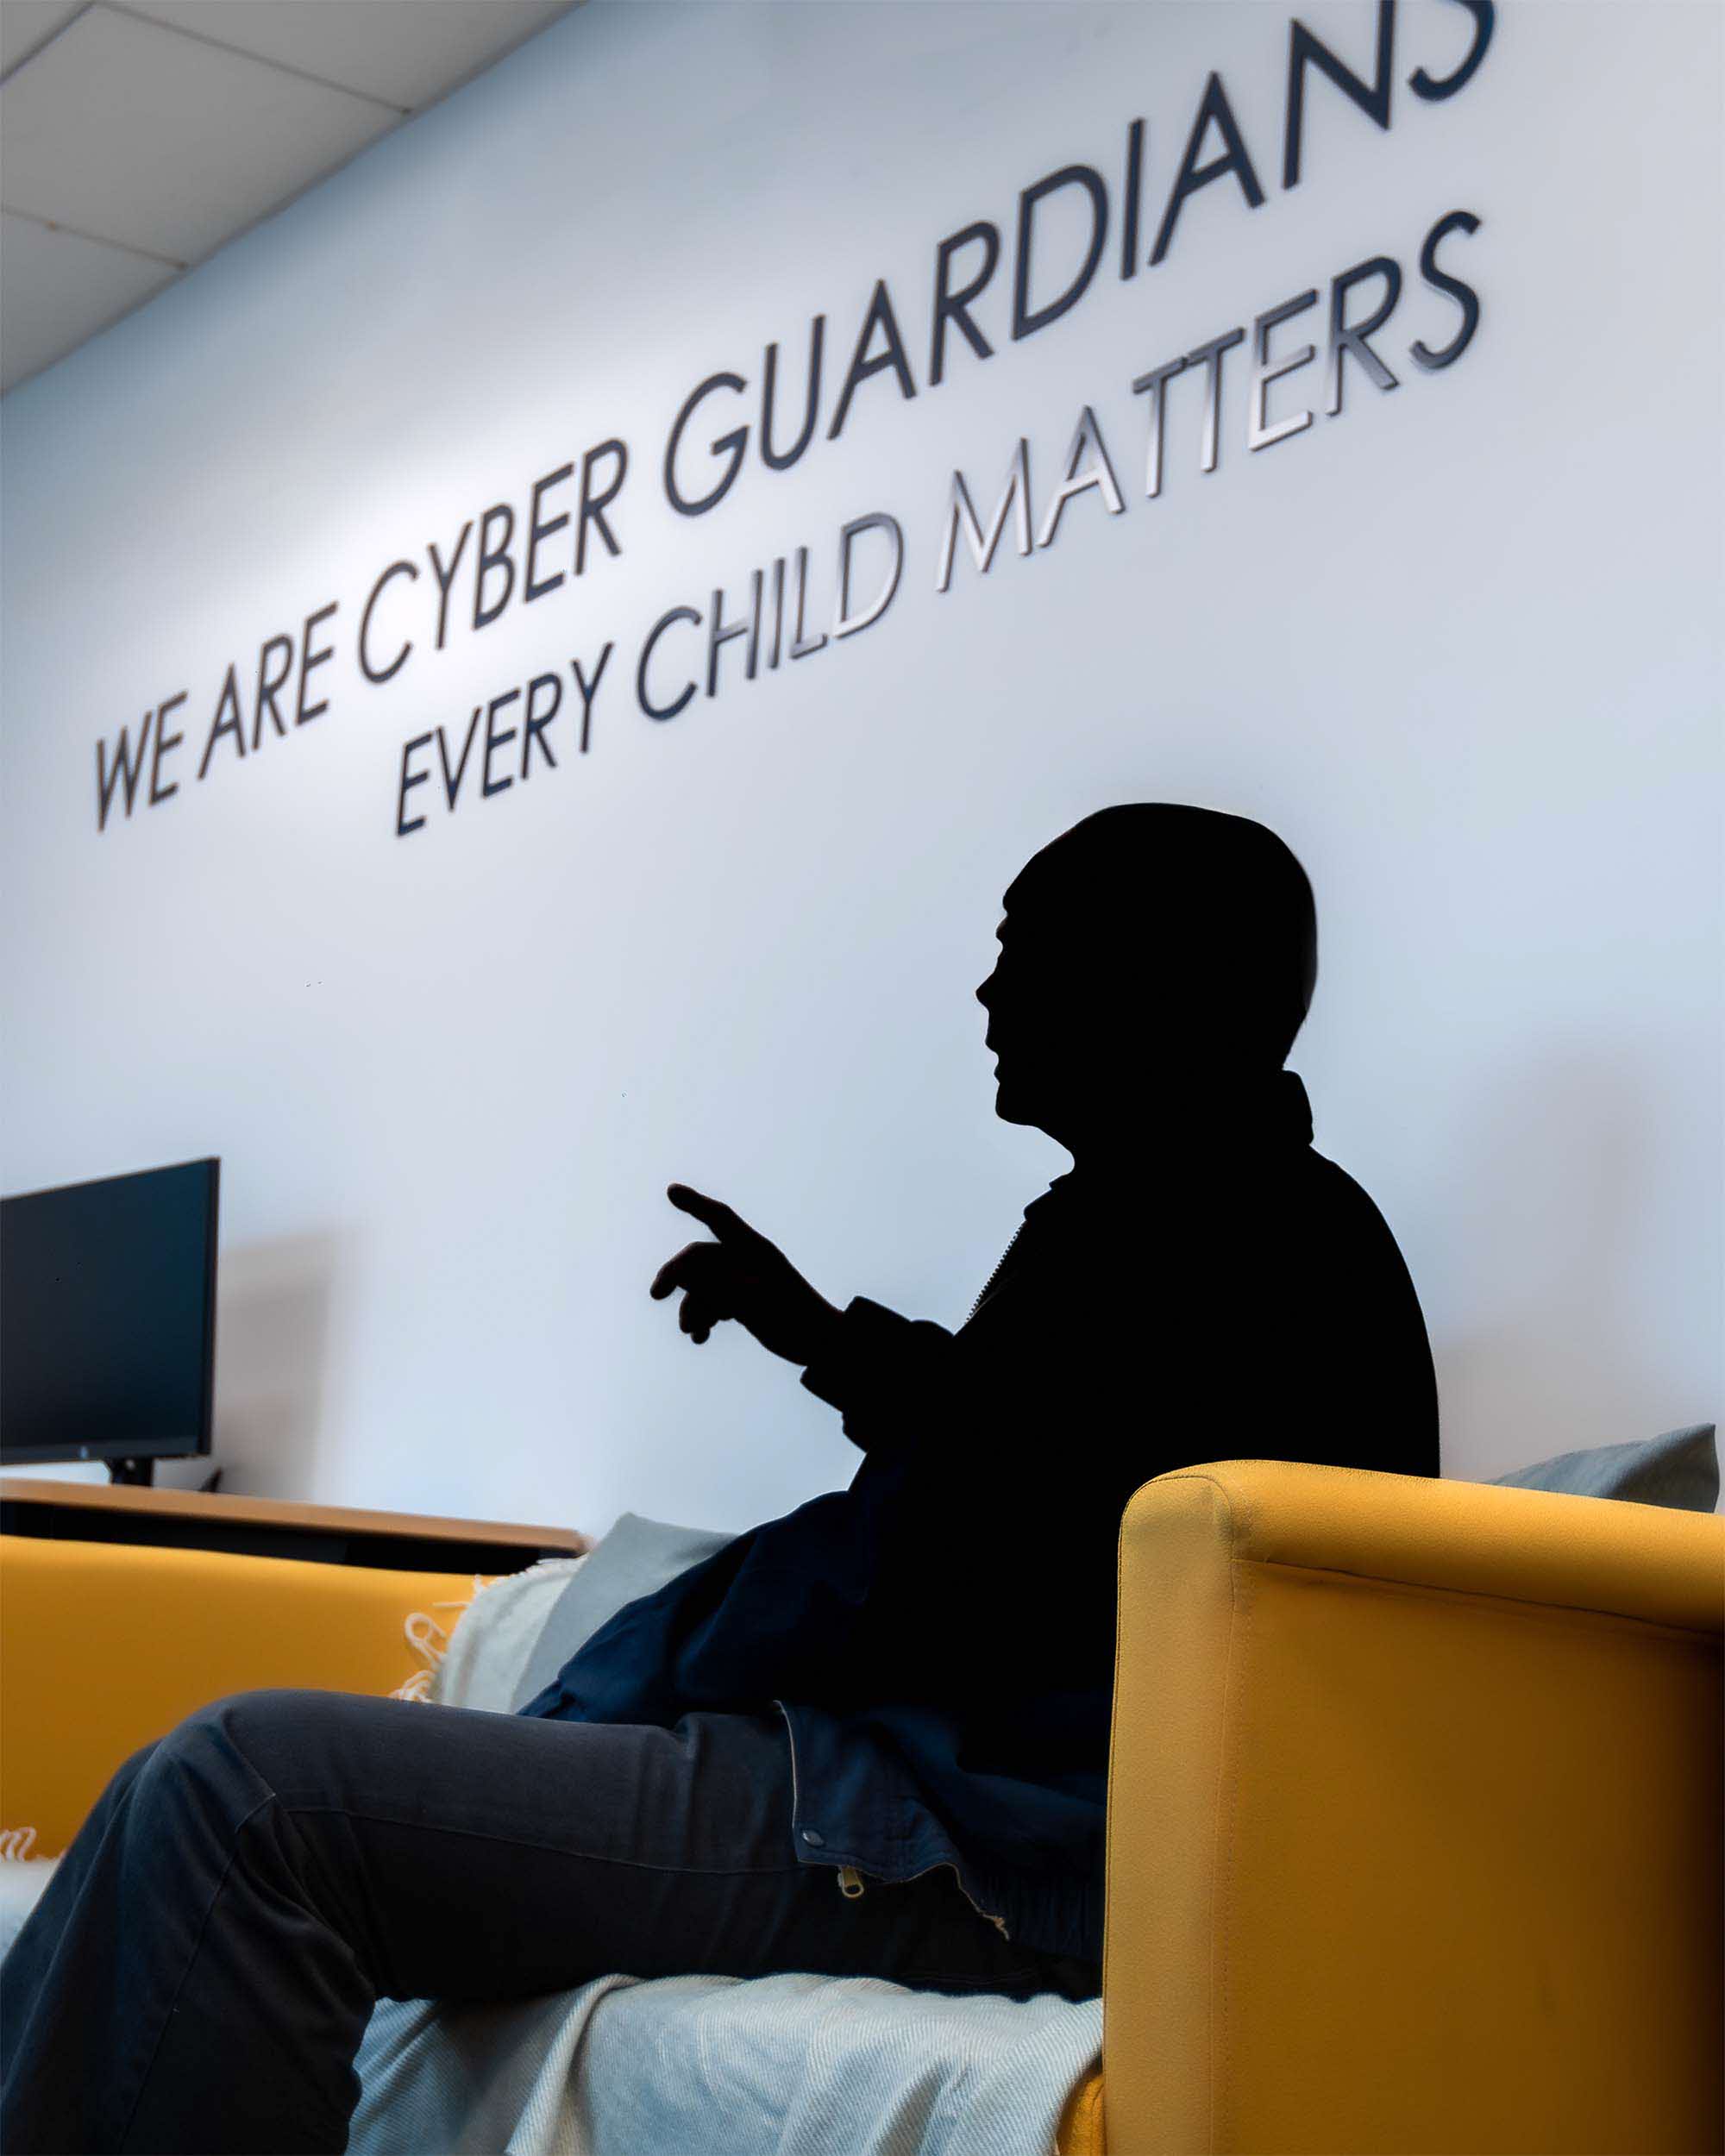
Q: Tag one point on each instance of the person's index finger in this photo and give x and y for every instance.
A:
(712, 1212)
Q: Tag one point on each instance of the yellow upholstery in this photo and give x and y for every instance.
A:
(1080, 2131)
(1415, 1799)
(105, 1645)
(1414, 1820)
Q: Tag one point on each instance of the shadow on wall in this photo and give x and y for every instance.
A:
(273, 1317)
(1561, 1229)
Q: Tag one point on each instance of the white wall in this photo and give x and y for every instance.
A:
(1459, 645)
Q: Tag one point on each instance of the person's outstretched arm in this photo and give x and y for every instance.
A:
(881, 1370)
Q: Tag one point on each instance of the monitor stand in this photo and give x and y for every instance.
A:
(185, 1470)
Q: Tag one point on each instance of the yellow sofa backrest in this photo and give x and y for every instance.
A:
(106, 1646)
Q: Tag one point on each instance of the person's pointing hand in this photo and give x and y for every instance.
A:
(744, 1276)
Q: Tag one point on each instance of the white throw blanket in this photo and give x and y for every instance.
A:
(782, 2065)
(779, 2065)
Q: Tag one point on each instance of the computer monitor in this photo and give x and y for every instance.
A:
(107, 1320)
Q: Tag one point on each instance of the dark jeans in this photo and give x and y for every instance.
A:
(199, 1974)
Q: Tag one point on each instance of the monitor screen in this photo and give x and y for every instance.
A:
(107, 1317)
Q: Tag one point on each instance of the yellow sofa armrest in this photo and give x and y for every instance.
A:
(1413, 1834)
(106, 1645)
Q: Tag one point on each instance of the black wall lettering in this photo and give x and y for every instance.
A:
(720, 632)
(1463, 295)
(1434, 88)
(226, 721)
(733, 445)
(1087, 466)
(269, 683)
(1131, 196)
(892, 354)
(127, 766)
(665, 620)
(1026, 322)
(1208, 355)
(383, 674)
(846, 624)
(781, 460)
(494, 557)
(452, 781)
(447, 577)
(538, 529)
(589, 690)
(164, 743)
(1214, 108)
(1373, 97)
(596, 500)
(955, 306)
(308, 660)
(534, 721)
(417, 778)
(1345, 336)
(494, 740)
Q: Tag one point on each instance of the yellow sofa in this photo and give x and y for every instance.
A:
(1414, 1803)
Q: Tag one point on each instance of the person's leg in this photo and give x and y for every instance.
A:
(200, 1972)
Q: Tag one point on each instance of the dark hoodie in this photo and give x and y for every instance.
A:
(940, 1635)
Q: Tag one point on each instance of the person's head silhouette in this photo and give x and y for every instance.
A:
(1155, 959)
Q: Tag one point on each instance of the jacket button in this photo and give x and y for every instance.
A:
(817, 1841)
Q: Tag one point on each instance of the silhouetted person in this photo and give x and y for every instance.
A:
(1200, 1286)
(936, 1640)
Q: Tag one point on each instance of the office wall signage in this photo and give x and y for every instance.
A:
(988, 284)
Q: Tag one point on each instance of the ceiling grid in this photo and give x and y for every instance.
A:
(138, 136)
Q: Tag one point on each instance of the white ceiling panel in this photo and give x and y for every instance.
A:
(61, 289)
(162, 141)
(25, 24)
(163, 129)
(406, 51)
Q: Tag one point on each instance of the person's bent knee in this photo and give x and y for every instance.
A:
(237, 1742)
(129, 1767)
(126, 1773)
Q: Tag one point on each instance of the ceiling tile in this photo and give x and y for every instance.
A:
(57, 289)
(406, 51)
(130, 132)
(26, 24)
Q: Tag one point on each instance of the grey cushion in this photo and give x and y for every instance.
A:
(1680, 1469)
(636, 1558)
(492, 1637)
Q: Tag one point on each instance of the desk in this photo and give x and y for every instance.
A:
(276, 1527)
